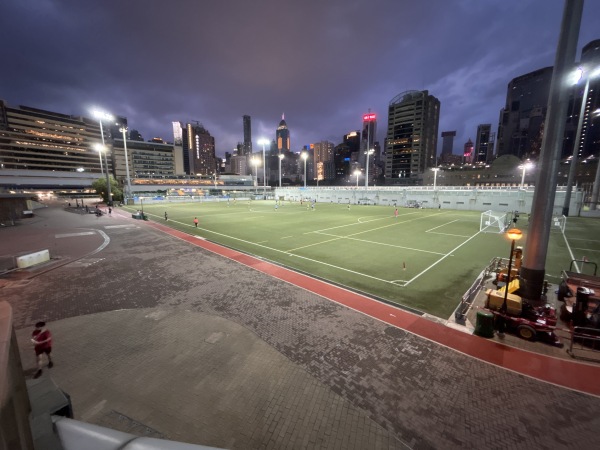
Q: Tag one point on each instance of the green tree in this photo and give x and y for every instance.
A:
(115, 190)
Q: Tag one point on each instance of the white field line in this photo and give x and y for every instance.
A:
(290, 254)
(357, 223)
(448, 234)
(354, 234)
(384, 244)
(583, 239)
(287, 237)
(586, 249)
(440, 260)
(445, 234)
(440, 226)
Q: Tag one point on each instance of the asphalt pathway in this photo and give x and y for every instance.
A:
(166, 338)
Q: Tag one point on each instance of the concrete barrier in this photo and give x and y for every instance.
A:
(32, 259)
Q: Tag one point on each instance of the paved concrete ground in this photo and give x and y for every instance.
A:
(156, 336)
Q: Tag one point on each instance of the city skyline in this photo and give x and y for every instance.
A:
(156, 64)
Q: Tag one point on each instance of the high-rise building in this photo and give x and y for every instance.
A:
(590, 134)
(35, 139)
(283, 136)
(367, 143)
(484, 143)
(346, 155)
(521, 121)
(323, 164)
(247, 144)
(469, 152)
(447, 145)
(197, 147)
(411, 139)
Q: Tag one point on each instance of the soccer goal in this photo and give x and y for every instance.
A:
(559, 223)
(493, 222)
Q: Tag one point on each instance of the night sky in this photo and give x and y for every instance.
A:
(321, 62)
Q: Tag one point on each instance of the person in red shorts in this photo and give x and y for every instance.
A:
(42, 341)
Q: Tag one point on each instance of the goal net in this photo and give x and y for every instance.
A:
(559, 223)
(493, 222)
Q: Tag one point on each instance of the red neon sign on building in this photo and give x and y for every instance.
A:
(369, 117)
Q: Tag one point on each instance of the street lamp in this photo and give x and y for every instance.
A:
(281, 156)
(100, 148)
(102, 115)
(123, 130)
(264, 142)
(435, 172)
(254, 161)
(525, 166)
(304, 156)
(357, 173)
(368, 152)
(514, 234)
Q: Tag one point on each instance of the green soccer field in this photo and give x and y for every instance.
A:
(424, 259)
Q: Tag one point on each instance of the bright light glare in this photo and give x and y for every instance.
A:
(99, 147)
(263, 141)
(304, 155)
(101, 115)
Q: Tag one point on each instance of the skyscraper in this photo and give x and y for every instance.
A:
(411, 139)
(447, 145)
(198, 148)
(283, 136)
(521, 120)
(323, 165)
(469, 151)
(590, 135)
(247, 145)
(484, 143)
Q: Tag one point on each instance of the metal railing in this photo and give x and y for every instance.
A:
(585, 343)
(467, 299)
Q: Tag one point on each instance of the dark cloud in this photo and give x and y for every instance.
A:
(322, 63)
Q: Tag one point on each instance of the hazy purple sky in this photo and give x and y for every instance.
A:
(321, 62)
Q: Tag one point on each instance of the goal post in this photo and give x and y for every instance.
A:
(559, 223)
(493, 222)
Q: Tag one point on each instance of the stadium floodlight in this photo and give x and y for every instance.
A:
(304, 156)
(100, 148)
(101, 115)
(435, 172)
(357, 173)
(281, 156)
(123, 130)
(525, 166)
(255, 162)
(368, 152)
(264, 142)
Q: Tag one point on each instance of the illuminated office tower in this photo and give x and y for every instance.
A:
(411, 139)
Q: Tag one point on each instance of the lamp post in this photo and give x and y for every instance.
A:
(357, 173)
(123, 130)
(514, 234)
(524, 167)
(264, 142)
(100, 148)
(435, 172)
(281, 156)
(102, 115)
(254, 162)
(304, 156)
(368, 152)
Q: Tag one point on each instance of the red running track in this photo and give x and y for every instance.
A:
(562, 372)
